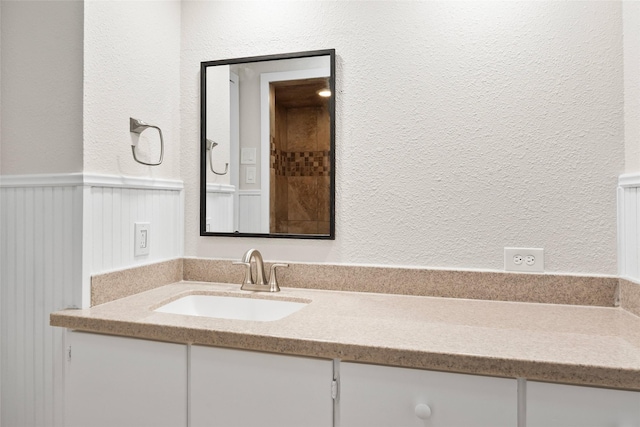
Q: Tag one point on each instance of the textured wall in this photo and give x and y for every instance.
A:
(631, 22)
(132, 56)
(462, 128)
(41, 87)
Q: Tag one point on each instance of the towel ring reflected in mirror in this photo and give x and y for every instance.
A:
(210, 146)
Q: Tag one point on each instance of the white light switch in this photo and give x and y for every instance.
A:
(141, 235)
(248, 156)
(250, 178)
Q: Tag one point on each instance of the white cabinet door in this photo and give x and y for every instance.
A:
(234, 388)
(115, 381)
(385, 396)
(555, 405)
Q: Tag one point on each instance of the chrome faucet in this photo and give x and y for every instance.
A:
(259, 283)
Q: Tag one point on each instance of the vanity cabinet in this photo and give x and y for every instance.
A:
(387, 396)
(556, 405)
(116, 381)
(236, 388)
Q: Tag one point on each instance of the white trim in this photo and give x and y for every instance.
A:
(621, 226)
(93, 180)
(249, 193)
(628, 198)
(220, 188)
(234, 154)
(42, 180)
(87, 246)
(629, 180)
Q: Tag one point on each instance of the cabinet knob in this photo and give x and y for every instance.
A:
(423, 411)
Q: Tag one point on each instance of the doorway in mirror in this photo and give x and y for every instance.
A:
(300, 157)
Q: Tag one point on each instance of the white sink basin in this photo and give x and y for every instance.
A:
(223, 307)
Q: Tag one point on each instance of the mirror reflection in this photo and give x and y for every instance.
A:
(267, 135)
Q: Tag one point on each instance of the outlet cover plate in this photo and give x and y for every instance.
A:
(141, 233)
(527, 264)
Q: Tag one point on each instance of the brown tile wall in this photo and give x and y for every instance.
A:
(300, 162)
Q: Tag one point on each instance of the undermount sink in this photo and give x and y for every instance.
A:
(226, 307)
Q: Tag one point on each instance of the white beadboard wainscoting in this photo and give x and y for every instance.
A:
(629, 226)
(220, 213)
(115, 210)
(56, 231)
(249, 216)
(41, 256)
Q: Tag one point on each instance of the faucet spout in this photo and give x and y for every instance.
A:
(250, 283)
(259, 283)
(247, 258)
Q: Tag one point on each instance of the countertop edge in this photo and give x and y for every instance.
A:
(554, 372)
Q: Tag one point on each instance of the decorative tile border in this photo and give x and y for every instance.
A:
(497, 286)
(303, 163)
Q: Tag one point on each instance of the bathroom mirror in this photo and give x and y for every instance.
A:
(267, 146)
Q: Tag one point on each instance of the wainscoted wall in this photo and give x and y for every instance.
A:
(115, 207)
(629, 226)
(250, 218)
(56, 231)
(41, 256)
(220, 201)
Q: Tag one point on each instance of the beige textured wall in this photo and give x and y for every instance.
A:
(132, 57)
(42, 57)
(631, 21)
(462, 127)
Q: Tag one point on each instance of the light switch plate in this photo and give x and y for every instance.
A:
(248, 156)
(141, 233)
(250, 177)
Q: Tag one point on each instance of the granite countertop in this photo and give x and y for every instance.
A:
(595, 346)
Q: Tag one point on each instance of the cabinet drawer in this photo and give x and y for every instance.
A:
(385, 396)
(556, 405)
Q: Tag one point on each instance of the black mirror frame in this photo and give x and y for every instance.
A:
(332, 153)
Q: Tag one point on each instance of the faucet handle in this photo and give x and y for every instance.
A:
(248, 276)
(273, 280)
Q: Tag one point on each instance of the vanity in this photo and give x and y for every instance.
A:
(351, 359)
(195, 353)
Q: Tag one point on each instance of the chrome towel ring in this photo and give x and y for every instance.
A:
(138, 126)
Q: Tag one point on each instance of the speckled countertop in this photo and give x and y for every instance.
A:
(597, 346)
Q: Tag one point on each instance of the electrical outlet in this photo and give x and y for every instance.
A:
(141, 236)
(529, 260)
